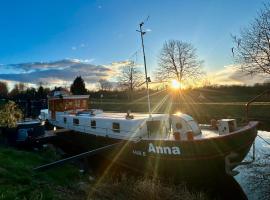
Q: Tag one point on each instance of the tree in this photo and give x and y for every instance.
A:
(10, 114)
(78, 86)
(178, 60)
(104, 85)
(3, 90)
(130, 78)
(252, 47)
(14, 93)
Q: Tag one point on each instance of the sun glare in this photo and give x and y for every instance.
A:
(175, 84)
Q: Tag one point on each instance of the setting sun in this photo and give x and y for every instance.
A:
(175, 84)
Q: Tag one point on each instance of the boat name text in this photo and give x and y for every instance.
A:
(163, 150)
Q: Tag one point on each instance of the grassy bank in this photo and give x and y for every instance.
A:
(19, 181)
(130, 188)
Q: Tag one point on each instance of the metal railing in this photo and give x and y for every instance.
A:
(253, 100)
(94, 130)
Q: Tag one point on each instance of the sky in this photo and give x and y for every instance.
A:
(53, 41)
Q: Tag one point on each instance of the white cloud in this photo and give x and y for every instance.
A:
(115, 67)
(231, 75)
(57, 73)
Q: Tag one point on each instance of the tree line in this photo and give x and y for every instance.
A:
(22, 92)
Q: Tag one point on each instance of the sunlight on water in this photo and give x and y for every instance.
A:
(255, 178)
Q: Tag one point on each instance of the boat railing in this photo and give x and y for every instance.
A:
(253, 100)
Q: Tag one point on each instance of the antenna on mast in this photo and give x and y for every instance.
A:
(147, 79)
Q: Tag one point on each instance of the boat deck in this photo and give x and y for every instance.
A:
(119, 116)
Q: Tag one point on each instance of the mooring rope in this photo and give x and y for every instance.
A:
(263, 139)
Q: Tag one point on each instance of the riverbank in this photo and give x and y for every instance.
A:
(19, 181)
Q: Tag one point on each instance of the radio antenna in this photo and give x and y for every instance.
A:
(147, 79)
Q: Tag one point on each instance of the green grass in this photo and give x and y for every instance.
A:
(19, 181)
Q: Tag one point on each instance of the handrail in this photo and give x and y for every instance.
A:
(254, 99)
(83, 128)
(93, 129)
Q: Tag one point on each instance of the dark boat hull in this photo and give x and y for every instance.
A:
(185, 159)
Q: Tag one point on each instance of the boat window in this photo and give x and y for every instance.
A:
(77, 103)
(153, 127)
(65, 120)
(178, 125)
(76, 121)
(116, 127)
(93, 124)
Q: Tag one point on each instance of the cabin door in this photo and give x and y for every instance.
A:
(52, 109)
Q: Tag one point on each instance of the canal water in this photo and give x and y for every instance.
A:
(255, 177)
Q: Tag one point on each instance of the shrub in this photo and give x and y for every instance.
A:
(10, 114)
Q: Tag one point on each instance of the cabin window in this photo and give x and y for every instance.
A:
(77, 103)
(116, 127)
(84, 103)
(65, 120)
(178, 125)
(153, 127)
(93, 124)
(76, 121)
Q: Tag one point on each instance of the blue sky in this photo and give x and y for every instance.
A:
(104, 31)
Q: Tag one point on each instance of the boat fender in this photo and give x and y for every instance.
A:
(190, 135)
(177, 135)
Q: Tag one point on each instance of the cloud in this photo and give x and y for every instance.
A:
(57, 72)
(231, 75)
(115, 67)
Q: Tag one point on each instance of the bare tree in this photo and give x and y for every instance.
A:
(104, 85)
(178, 60)
(3, 90)
(252, 47)
(130, 78)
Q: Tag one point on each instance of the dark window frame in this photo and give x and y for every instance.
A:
(76, 121)
(178, 125)
(116, 127)
(93, 124)
(65, 120)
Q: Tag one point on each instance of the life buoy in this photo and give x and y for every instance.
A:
(177, 135)
(190, 135)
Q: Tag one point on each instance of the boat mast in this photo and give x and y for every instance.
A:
(147, 79)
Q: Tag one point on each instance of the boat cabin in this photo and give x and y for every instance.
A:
(72, 112)
(71, 103)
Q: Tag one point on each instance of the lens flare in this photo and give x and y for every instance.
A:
(175, 84)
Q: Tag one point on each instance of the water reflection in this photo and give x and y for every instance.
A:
(255, 178)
